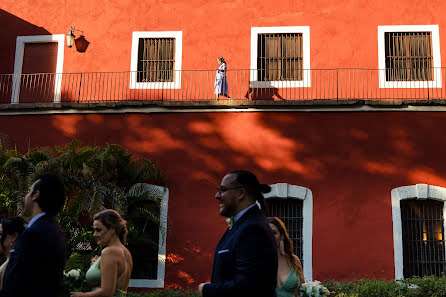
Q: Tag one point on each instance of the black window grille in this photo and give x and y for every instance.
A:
(409, 56)
(156, 59)
(290, 212)
(423, 237)
(280, 57)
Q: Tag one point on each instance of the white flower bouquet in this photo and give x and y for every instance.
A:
(313, 289)
(73, 280)
(73, 273)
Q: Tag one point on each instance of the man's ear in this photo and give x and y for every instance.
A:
(242, 194)
(36, 195)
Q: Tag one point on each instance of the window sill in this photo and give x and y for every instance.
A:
(306, 83)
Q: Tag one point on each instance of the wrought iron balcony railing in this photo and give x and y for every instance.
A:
(199, 85)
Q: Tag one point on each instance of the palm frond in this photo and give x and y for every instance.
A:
(95, 178)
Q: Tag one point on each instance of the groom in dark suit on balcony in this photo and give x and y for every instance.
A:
(36, 264)
(245, 260)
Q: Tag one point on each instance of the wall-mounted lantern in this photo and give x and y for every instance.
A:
(81, 43)
(70, 38)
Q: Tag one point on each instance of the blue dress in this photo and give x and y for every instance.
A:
(221, 84)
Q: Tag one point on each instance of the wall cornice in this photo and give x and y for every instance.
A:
(225, 106)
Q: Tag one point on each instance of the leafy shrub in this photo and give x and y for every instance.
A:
(375, 288)
(94, 178)
(166, 293)
(341, 289)
(430, 286)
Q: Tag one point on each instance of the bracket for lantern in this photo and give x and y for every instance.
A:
(81, 43)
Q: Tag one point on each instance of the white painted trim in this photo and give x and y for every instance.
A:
(159, 281)
(284, 191)
(176, 84)
(18, 62)
(419, 191)
(436, 83)
(306, 82)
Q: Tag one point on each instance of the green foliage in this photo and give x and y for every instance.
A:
(73, 283)
(79, 261)
(431, 286)
(341, 289)
(95, 178)
(428, 286)
(375, 288)
(166, 293)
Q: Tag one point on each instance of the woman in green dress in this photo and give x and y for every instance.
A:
(10, 229)
(110, 273)
(289, 271)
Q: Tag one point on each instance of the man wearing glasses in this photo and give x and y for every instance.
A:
(245, 260)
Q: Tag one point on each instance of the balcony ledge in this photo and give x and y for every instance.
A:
(224, 105)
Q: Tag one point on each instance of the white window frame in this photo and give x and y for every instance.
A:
(435, 83)
(162, 235)
(287, 191)
(306, 82)
(18, 62)
(176, 84)
(418, 191)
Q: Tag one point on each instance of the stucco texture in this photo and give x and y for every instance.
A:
(350, 161)
(343, 33)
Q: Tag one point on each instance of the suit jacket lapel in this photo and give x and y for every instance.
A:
(223, 239)
(253, 211)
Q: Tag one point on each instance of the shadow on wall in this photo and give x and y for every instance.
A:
(263, 94)
(12, 26)
(351, 163)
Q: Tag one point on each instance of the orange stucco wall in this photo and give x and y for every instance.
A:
(342, 33)
(350, 161)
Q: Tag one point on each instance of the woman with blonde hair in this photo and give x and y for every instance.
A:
(110, 273)
(289, 271)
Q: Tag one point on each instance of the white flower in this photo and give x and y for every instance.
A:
(74, 273)
(325, 291)
(314, 289)
(308, 290)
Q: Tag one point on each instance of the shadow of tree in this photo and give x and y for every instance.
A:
(350, 161)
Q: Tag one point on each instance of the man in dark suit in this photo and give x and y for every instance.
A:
(245, 260)
(36, 264)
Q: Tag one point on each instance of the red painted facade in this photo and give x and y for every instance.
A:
(343, 34)
(349, 160)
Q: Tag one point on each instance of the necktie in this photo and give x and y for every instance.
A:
(231, 222)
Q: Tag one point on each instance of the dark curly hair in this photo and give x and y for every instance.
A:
(11, 226)
(250, 182)
(51, 194)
